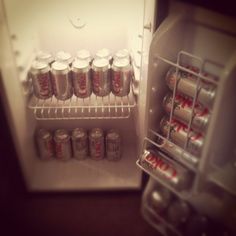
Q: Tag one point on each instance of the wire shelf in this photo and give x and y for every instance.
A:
(93, 107)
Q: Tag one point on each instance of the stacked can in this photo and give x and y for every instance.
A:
(64, 57)
(81, 78)
(45, 57)
(121, 54)
(104, 53)
(84, 55)
(179, 135)
(96, 144)
(45, 144)
(183, 110)
(62, 145)
(113, 145)
(187, 85)
(79, 143)
(62, 84)
(121, 77)
(175, 174)
(101, 77)
(41, 80)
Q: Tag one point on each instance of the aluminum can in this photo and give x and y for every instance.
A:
(64, 57)
(101, 77)
(183, 109)
(121, 54)
(45, 144)
(45, 57)
(113, 145)
(178, 212)
(79, 143)
(96, 144)
(81, 78)
(84, 55)
(179, 135)
(121, 77)
(187, 85)
(159, 199)
(104, 53)
(62, 145)
(41, 80)
(61, 81)
(171, 172)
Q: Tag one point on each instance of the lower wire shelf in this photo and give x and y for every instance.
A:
(93, 107)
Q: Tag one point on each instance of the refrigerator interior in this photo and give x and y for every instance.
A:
(194, 36)
(32, 26)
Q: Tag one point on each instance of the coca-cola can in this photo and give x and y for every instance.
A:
(178, 212)
(45, 144)
(171, 172)
(81, 78)
(183, 110)
(187, 85)
(104, 53)
(121, 77)
(61, 80)
(96, 144)
(62, 145)
(41, 80)
(101, 77)
(79, 143)
(179, 135)
(159, 199)
(45, 57)
(64, 57)
(113, 145)
(84, 55)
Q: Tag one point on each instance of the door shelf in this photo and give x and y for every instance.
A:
(158, 222)
(93, 107)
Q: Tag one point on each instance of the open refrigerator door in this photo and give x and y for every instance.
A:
(189, 148)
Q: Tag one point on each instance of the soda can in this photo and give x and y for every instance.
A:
(45, 144)
(171, 172)
(79, 143)
(61, 81)
(179, 135)
(41, 80)
(81, 78)
(62, 145)
(121, 54)
(178, 212)
(45, 57)
(183, 110)
(187, 85)
(159, 199)
(113, 145)
(104, 53)
(84, 55)
(64, 57)
(96, 144)
(101, 77)
(121, 77)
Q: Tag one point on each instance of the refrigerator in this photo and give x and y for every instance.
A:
(191, 170)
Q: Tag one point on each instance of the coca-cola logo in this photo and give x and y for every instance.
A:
(162, 166)
(96, 81)
(98, 148)
(49, 147)
(43, 81)
(58, 150)
(116, 81)
(82, 84)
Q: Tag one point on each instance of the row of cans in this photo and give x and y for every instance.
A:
(79, 77)
(187, 84)
(170, 172)
(79, 144)
(181, 215)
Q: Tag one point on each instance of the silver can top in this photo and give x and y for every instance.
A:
(62, 135)
(83, 55)
(103, 53)
(59, 67)
(44, 56)
(96, 133)
(121, 54)
(101, 63)
(39, 67)
(80, 64)
(44, 134)
(113, 134)
(121, 63)
(79, 133)
(64, 57)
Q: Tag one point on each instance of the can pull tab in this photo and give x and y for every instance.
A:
(77, 22)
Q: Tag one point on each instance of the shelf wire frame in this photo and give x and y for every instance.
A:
(93, 107)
